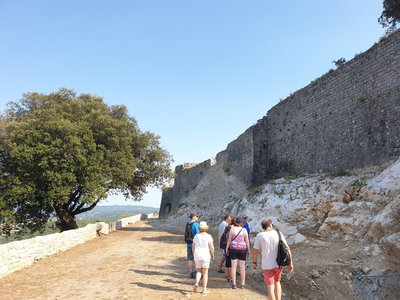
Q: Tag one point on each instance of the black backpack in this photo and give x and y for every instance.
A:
(189, 233)
(283, 258)
(224, 238)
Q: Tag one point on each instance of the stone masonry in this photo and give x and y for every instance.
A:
(348, 118)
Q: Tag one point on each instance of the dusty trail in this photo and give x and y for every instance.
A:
(143, 261)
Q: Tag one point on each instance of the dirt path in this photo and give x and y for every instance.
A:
(143, 261)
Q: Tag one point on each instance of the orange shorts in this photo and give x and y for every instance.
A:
(272, 275)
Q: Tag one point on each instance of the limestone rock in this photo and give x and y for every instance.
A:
(392, 242)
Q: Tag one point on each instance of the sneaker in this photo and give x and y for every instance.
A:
(193, 275)
(205, 292)
(234, 286)
(196, 287)
(221, 271)
(242, 286)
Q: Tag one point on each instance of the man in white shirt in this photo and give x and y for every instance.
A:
(266, 243)
(221, 228)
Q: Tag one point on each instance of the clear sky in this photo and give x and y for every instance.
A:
(197, 73)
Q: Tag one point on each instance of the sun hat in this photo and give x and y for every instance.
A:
(203, 224)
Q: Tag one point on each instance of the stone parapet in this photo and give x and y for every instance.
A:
(17, 255)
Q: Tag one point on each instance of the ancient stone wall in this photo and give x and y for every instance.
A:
(17, 255)
(349, 118)
(239, 160)
(187, 177)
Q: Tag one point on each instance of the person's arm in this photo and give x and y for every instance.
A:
(290, 253)
(193, 247)
(255, 256)
(211, 247)
(291, 259)
(228, 242)
(246, 238)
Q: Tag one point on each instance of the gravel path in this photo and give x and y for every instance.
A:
(142, 261)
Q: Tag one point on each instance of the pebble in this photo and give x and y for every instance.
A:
(315, 274)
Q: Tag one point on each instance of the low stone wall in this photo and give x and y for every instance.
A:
(17, 255)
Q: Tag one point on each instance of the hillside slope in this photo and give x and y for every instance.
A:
(338, 226)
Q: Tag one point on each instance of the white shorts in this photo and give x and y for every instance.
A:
(202, 263)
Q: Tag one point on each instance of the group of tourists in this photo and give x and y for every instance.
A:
(234, 241)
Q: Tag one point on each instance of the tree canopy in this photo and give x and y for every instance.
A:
(60, 154)
(390, 14)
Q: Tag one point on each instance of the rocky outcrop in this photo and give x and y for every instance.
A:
(307, 206)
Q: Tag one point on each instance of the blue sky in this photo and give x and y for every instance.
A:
(197, 73)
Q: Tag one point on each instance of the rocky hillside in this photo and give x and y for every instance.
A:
(338, 225)
(362, 205)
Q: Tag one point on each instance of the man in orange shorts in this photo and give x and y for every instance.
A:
(266, 243)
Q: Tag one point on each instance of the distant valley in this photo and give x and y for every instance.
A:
(109, 213)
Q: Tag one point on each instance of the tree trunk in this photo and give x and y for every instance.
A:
(66, 219)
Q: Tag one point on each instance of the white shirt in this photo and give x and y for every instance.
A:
(221, 229)
(202, 250)
(267, 243)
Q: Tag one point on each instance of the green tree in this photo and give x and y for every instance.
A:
(60, 154)
(390, 14)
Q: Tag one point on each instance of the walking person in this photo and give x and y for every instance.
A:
(266, 243)
(247, 227)
(246, 224)
(221, 228)
(191, 230)
(203, 251)
(237, 247)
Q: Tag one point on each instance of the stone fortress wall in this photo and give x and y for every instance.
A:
(348, 118)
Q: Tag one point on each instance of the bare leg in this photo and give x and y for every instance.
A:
(242, 267)
(221, 262)
(205, 277)
(198, 275)
(271, 292)
(233, 270)
(278, 290)
(190, 266)
(228, 273)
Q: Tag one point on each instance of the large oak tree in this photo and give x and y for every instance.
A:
(60, 154)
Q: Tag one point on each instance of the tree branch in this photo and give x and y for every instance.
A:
(76, 201)
(72, 197)
(80, 210)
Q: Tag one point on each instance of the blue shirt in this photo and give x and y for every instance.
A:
(195, 230)
(246, 226)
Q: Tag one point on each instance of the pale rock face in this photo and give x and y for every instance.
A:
(389, 179)
(303, 204)
(353, 218)
(393, 242)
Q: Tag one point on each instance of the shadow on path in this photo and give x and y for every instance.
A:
(165, 239)
(155, 273)
(159, 287)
